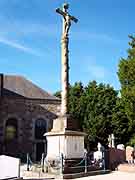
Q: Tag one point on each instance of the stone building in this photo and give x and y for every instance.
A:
(26, 113)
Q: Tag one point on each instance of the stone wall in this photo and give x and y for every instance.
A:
(116, 157)
(26, 113)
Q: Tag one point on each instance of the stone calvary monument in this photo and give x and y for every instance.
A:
(65, 137)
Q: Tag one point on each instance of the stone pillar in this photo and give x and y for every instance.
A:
(64, 137)
(64, 75)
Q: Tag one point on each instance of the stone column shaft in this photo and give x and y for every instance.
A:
(64, 75)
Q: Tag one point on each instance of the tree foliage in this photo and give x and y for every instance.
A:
(126, 74)
(99, 101)
(75, 102)
(120, 123)
(58, 94)
(92, 107)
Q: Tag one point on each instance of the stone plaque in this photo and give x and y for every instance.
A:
(9, 167)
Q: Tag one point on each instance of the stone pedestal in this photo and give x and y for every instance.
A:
(65, 139)
(69, 143)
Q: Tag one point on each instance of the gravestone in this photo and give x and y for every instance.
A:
(98, 155)
(121, 146)
(129, 152)
(9, 167)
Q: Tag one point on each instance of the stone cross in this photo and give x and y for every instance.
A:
(67, 19)
(99, 146)
(113, 138)
(111, 141)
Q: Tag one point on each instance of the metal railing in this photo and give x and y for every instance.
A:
(84, 163)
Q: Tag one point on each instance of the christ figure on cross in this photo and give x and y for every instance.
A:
(67, 19)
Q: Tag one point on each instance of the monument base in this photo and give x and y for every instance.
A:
(65, 122)
(64, 142)
(69, 143)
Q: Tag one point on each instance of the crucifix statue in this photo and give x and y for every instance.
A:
(67, 19)
(65, 134)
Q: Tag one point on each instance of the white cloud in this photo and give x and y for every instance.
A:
(18, 46)
(85, 35)
(38, 29)
(13, 33)
(97, 72)
(25, 29)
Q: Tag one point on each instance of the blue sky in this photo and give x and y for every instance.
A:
(30, 33)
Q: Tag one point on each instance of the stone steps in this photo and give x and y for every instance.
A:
(77, 166)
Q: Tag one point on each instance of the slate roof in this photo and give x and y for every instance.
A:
(23, 87)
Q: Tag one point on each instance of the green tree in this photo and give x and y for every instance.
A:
(126, 74)
(120, 123)
(93, 107)
(75, 105)
(99, 101)
(58, 94)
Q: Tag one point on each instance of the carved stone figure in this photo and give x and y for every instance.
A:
(67, 18)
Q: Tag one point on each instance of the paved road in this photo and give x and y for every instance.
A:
(112, 176)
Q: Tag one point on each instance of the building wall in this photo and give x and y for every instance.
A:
(26, 113)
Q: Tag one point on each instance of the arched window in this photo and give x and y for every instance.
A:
(40, 128)
(11, 129)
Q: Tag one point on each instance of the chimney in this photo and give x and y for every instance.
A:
(1, 84)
